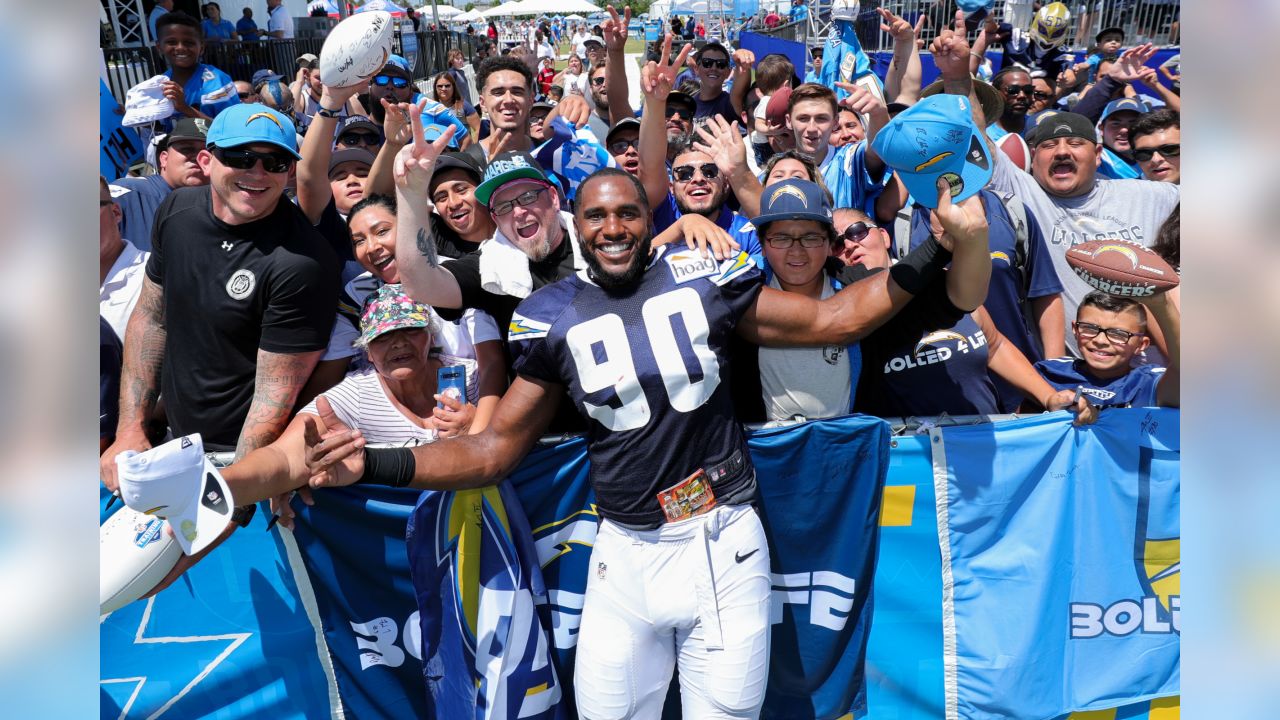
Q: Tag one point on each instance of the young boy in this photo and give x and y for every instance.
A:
(196, 90)
(772, 73)
(546, 75)
(1106, 46)
(1110, 330)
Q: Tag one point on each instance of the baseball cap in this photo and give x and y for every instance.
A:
(177, 482)
(357, 122)
(594, 39)
(989, 99)
(541, 105)
(308, 58)
(397, 64)
(351, 155)
(1107, 31)
(1061, 124)
(935, 138)
(793, 199)
(263, 76)
(506, 167)
(685, 101)
(145, 103)
(461, 161)
(1122, 105)
(253, 123)
(390, 309)
(187, 129)
(621, 125)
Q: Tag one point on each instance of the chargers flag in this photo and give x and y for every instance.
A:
(843, 60)
(1060, 563)
(572, 154)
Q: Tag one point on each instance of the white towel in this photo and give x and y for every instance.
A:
(504, 268)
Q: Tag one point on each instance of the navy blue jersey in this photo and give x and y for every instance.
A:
(649, 370)
(1136, 388)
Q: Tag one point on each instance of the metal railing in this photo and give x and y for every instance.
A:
(128, 66)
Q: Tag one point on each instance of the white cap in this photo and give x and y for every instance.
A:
(175, 481)
(145, 102)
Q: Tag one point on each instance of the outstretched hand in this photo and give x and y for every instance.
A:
(658, 79)
(1086, 412)
(951, 51)
(415, 163)
(898, 28)
(1129, 67)
(337, 459)
(722, 141)
(615, 29)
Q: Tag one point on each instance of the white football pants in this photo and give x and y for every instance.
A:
(696, 594)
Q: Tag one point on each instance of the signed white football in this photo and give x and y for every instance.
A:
(134, 555)
(356, 49)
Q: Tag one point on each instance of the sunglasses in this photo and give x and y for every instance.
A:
(708, 63)
(245, 95)
(1169, 151)
(857, 232)
(1020, 90)
(1041, 95)
(394, 81)
(684, 173)
(618, 147)
(684, 112)
(246, 159)
(524, 199)
(784, 242)
(599, 80)
(359, 138)
(1115, 335)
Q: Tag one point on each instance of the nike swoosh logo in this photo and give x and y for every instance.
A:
(739, 557)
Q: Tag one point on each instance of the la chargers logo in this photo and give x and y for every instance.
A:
(690, 265)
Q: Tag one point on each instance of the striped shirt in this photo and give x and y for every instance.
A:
(360, 401)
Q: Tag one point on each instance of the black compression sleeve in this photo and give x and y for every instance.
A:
(914, 272)
(388, 466)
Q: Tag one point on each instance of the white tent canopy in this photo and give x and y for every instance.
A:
(541, 7)
(445, 11)
(470, 16)
(506, 9)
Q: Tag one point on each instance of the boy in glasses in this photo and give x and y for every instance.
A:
(1111, 331)
(711, 66)
(1157, 145)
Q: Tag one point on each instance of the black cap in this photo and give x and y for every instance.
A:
(1062, 124)
(621, 125)
(684, 99)
(459, 160)
(351, 155)
(357, 122)
(187, 129)
(1098, 38)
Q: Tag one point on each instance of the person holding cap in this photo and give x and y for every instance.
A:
(238, 300)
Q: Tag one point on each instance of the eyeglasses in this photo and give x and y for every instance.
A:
(1115, 335)
(394, 81)
(537, 119)
(784, 242)
(618, 147)
(524, 199)
(1041, 95)
(708, 63)
(857, 232)
(1020, 90)
(684, 173)
(598, 80)
(1145, 154)
(359, 138)
(246, 159)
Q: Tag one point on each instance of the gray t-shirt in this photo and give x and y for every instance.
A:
(1130, 210)
(138, 198)
(813, 382)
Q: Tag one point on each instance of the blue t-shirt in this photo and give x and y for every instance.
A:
(1117, 168)
(721, 106)
(1136, 388)
(739, 228)
(1010, 286)
(138, 198)
(247, 28)
(209, 90)
(846, 175)
(220, 30)
(648, 368)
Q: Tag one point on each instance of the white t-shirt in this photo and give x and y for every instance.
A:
(360, 401)
(119, 292)
(759, 137)
(279, 19)
(810, 382)
(575, 84)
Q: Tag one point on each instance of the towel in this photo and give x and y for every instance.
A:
(504, 268)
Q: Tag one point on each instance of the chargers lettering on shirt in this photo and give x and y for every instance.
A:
(931, 350)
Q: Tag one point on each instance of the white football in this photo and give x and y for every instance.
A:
(134, 555)
(356, 49)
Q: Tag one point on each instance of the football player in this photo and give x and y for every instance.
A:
(639, 340)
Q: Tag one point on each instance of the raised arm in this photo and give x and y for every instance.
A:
(398, 132)
(902, 83)
(314, 193)
(615, 41)
(1168, 317)
(1125, 70)
(722, 141)
(144, 344)
(867, 105)
(420, 272)
(743, 62)
(462, 463)
(656, 81)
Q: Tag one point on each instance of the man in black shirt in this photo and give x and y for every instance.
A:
(238, 299)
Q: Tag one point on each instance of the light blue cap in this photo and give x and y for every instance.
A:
(250, 123)
(935, 138)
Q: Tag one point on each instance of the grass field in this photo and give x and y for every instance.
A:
(634, 46)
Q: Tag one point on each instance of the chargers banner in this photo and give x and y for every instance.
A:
(322, 621)
(1060, 563)
(119, 146)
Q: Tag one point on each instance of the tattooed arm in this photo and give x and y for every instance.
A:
(420, 272)
(144, 342)
(279, 379)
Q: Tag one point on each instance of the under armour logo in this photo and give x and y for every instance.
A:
(226, 246)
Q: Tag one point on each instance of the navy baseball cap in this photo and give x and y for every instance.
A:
(505, 168)
(263, 76)
(1122, 105)
(250, 123)
(793, 199)
(936, 138)
(357, 122)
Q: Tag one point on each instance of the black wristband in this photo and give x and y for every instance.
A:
(388, 466)
(921, 266)
(244, 514)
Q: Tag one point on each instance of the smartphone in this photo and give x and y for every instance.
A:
(451, 380)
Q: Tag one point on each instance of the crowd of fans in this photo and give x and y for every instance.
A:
(296, 250)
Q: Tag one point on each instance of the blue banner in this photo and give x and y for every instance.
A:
(1064, 556)
(119, 146)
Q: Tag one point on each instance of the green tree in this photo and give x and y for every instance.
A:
(469, 7)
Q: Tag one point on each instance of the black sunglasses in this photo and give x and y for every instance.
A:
(684, 173)
(598, 80)
(684, 111)
(246, 159)
(708, 63)
(245, 95)
(617, 147)
(359, 138)
(1041, 95)
(1020, 90)
(857, 232)
(1145, 154)
(394, 81)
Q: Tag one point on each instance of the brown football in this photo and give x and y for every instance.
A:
(1122, 268)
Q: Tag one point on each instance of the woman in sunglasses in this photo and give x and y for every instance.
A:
(446, 93)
